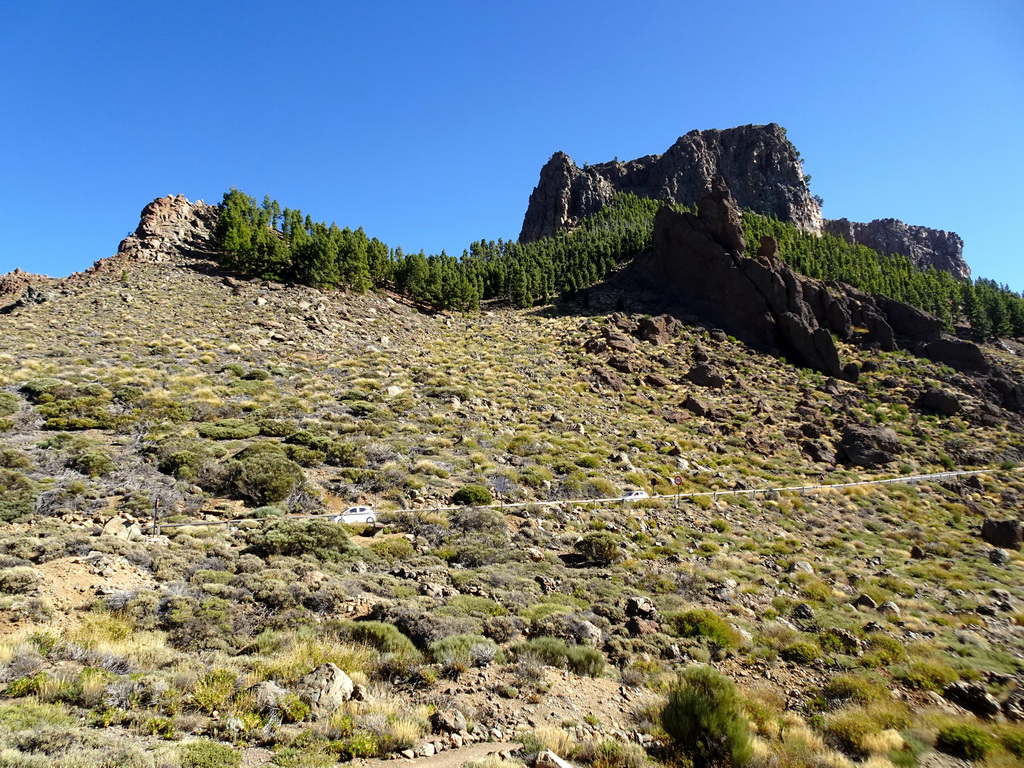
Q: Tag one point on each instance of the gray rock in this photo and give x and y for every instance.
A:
(640, 607)
(869, 446)
(865, 601)
(889, 608)
(448, 721)
(923, 246)
(324, 690)
(998, 556)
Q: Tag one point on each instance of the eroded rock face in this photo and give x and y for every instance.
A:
(703, 264)
(171, 225)
(923, 246)
(759, 164)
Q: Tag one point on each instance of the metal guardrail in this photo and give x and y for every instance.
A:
(752, 492)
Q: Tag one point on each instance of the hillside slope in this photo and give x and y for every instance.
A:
(159, 385)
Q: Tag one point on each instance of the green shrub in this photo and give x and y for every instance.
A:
(964, 740)
(472, 495)
(588, 462)
(214, 690)
(208, 754)
(466, 650)
(386, 638)
(601, 547)
(550, 650)
(18, 494)
(228, 429)
(393, 548)
(927, 675)
(700, 622)
(703, 718)
(276, 427)
(9, 404)
(801, 653)
(19, 580)
(854, 689)
(262, 474)
(1013, 741)
(584, 660)
(93, 462)
(325, 540)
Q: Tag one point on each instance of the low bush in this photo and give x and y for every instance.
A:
(386, 638)
(472, 495)
(700, 622)
(325, 540)
(262, 474)
(228, 429)
(465, 651)
(601, 547)
(704, 720)
(208, 754)
(964, 740)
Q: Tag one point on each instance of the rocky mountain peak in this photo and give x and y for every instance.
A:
(171, 225)
(758, 163)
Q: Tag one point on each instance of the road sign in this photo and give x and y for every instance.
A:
(677, 480)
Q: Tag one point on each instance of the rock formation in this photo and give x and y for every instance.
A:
(923, 246)
(700, 262)
(171, 225)
(760, 166)
(763, 172)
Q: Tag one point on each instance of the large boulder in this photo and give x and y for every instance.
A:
(957, 354)
(1008, 534)
(869, 446)
(940, 401)
(325, 689)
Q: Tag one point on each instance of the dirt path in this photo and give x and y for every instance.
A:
(451, 758)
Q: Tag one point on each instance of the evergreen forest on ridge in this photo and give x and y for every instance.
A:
(274, 243)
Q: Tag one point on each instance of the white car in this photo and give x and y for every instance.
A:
(356, 515)
(635, 495)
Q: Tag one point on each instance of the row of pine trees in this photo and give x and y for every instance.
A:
(266, 241)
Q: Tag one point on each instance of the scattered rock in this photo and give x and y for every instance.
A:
(939, 401)
(869, 446)
(865, 601)
(704, 376)
(324, 690)
(1008, 534)
(973, 697)
(998, 556)
(448, 721)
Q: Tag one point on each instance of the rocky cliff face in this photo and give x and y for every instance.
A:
(171, 225)
(925, 247)
(763, 173)
(760, 166)
(703, 262)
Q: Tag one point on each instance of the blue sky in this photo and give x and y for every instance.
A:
(427, 123)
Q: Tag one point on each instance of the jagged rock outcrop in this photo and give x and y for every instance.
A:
(171, 225)
(700, 262)
(763, 172)
(925, 247)
(759, 164)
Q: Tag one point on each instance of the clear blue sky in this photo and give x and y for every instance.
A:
(427, 123)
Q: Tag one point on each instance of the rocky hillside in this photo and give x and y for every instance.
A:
(763, 172)
(925, 247)
(879, 625)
